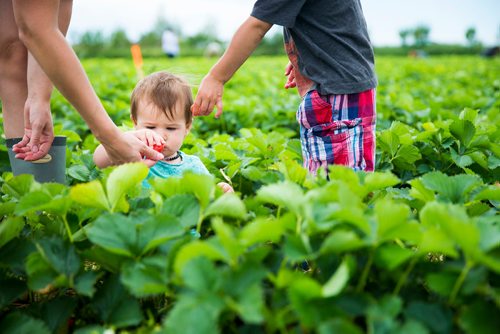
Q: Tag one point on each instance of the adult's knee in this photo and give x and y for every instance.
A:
(13, 54)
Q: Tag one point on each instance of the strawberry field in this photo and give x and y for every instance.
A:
(411, 248)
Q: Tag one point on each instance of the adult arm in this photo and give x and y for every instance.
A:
(245, 40)
(38, 129)
(37, 21)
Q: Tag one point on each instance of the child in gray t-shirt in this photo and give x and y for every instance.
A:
(332, 66)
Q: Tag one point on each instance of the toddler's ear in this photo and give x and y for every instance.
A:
(133, 119)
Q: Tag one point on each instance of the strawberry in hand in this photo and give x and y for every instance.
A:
(158, 148)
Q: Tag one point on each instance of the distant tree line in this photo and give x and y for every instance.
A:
(117, 44)
(416, 41)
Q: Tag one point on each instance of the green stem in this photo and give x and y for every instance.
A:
(460, 281)
(68, 230)
(200, 219)
(366, 270)
(404, 277)
(298, 226)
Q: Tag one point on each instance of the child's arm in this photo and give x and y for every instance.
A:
(148, 137)
(226, 187)
(243, 43)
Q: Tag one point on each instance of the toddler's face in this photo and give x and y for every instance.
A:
(173, 131)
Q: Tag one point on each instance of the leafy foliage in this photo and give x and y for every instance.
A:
(411, 248)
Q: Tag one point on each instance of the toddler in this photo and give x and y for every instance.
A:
(160, 110)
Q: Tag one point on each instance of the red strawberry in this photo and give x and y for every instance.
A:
(158, 148)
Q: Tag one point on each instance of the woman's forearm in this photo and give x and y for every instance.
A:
(47, 44)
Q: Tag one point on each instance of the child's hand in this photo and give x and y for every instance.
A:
(149, 137)
(209, 96)
(226, 187)
(290, 73)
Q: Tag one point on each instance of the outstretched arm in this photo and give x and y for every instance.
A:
(38, 129)
(243, 43)
(37, 21)
(146, 136)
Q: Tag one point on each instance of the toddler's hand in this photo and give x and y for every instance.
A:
(226, 187)
(290, 74)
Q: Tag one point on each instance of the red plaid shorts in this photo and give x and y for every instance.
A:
(338, 129)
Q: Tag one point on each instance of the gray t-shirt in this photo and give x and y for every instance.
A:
(326, 40)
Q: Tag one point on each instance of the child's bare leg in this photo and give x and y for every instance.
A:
(13, 64)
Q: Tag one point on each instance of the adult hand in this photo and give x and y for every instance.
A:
(148, 137)
(290, 74)
(38, 131)
(127, 148)
(209, 96)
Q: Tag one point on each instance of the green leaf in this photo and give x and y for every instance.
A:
(382, 314)
(11, 290)
(391, 256)
(223, 151)
(434, 239)
(90, 194)
(339, 325)
(60, 255)
(342, 241)
(115, 306)
(18, 323)
(227, 205)
(56, 312)
(185, 207)
(285, 194)
(388, 142)
(376, 181)
(295, 249)
(225, 235)
(434, 316)
(251, 306)
(201, 186)
(156, 231)
(85, 283)
(40, 273)
(121, 180)
(480, 317)
(20, 185)
(441, 283)
(406, 157)
(454, 189)
(196, 249)
(244, 286)
(262, 230)
(387, 223)
(491, 193)
(194, 315)
(419, 191)
(122, 239)
(337, 282)
(203, 302)
(146, 277)
(463, 130)
(461, 160)
(455, 223)
(493, 162)
(10, 229)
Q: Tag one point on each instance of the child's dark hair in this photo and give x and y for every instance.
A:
(164, 90)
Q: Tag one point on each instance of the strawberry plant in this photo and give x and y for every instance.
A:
(411, 248)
